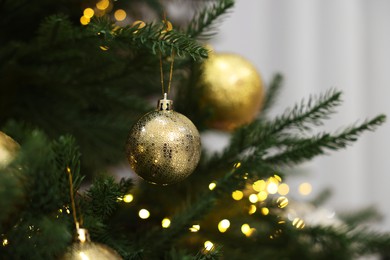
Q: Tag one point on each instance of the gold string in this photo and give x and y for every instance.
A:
(161, 63)
(171, 70)
(72, 198)
(162, 75)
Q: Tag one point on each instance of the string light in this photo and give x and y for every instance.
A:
(259, 185)
(298, 223)
(245, 228)
(252, 209)
(223, 225)
(237, 195)
(283, 189)
(103, 4)
(84, 20)
(237, 165)
(282, 202)
(165, 223)
(5, 242)
(144, 214)
(272, 188)
(264, 211)
(208, 245)
(253, 198)
(88, 12)
(120, 15)
(262, 195)
(305, 188)
(212, 186)
(128, 198)
(194, 228)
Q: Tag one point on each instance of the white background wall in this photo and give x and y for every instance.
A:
(316, 45)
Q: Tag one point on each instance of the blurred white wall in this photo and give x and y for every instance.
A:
(316, 45)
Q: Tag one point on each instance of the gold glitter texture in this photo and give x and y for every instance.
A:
(163, 147)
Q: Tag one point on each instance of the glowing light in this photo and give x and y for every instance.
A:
(165, 223)
(265, 211)
(139, 24)
(262, 195)
(212, 186)
(223, 225)
(83, 256)
(282, 202)
(144, 214)
(252, 209)
(103, 4)
(194, 228)
(237, 195)
(245, 228)
(259, 185)
(277, 178)
(128, 198)
(84, 20)
(253, 198)
(305, 188)
(104, 48)
(120, 15)
(5, 242)
(283, 189)
(88, 12)
(298, 223)
(237, 165)
(208, 245)
(272, 188)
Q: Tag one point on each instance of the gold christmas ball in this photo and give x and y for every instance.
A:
(163, 147)
(90, 250)
(85, 249)
(232, 89)
(8, 149)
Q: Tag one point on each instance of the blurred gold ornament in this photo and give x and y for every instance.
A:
(163, 147)
(85, 249)
(8, 149)
(232, 88)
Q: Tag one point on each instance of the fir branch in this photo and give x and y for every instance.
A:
(151, 37)
(104, 194)
(206, 19)
(262, 134)
(308, 148)
(271, 94)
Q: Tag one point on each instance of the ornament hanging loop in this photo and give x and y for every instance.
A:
(168, 27)
(165, 104)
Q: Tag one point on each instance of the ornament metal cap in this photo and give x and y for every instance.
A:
(83, 235)
(165, 104)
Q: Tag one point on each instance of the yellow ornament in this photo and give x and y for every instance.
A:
(8, 149)
(163, 147)
(85, 249)
(232, 88)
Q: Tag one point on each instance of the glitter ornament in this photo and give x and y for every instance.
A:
(163, 147)
(231, 89)
(85, 249)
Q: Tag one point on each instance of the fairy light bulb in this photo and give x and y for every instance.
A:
(165, 223)
(144, 214)
(223, 225)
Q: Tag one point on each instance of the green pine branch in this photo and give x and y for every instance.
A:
(202, 25)
(272, 93)
(151, 37)
(307, 148)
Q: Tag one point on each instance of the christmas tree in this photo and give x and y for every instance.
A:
(72, 92)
